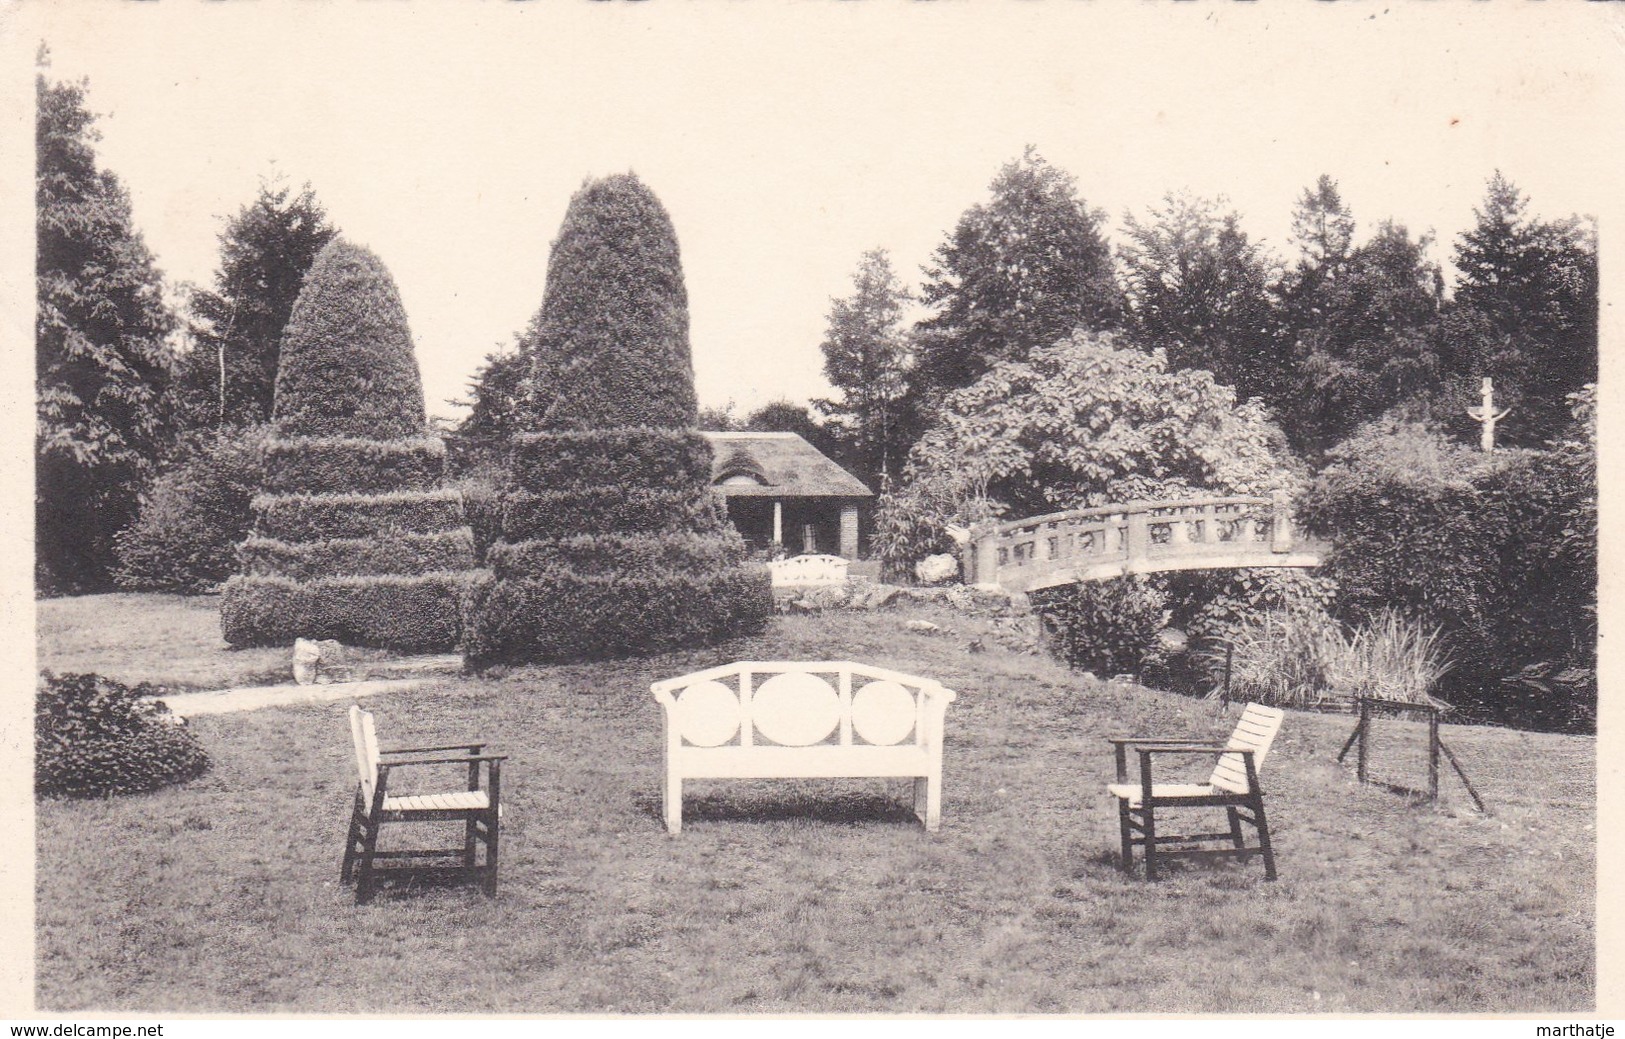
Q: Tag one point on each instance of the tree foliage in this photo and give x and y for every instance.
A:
(609, 346)
(101, 352)
(1081, 422)
(265, 252)
(348, 367)
(867, 357)
(1199, 289)
(1016, 273)
(1526, 311)
(1364, 321)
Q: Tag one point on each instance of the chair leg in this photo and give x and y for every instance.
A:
(366, 882)
(1264, 838)
(1127, 832)
(347, 871)
(1235, 834)
(468, 844)
(493, 827)
(1149, 815)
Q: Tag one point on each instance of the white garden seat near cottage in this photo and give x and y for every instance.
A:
(812, 571)
(781, 720)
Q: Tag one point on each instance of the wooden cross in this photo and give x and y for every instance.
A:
(1487, 416)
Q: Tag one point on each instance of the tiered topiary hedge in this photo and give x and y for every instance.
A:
(354, 538)
(611, 540)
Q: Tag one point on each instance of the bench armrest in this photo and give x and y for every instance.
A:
(1145, 749)
(475, 747)
(1160, 740)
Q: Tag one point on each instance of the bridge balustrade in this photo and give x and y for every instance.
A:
(1136, 537)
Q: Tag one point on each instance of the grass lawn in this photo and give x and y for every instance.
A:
(818, 897)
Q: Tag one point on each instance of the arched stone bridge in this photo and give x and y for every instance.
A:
(1136, 538)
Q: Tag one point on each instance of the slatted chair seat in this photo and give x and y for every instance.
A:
(478, 808)
(462, 800)
(1161, 792)
(1232, 786)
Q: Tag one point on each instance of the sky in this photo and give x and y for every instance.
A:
(787, 138)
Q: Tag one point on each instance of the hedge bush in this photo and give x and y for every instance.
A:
(337, 465)
(1108, 627)
(1498, 551)
(94, 737)
(569, 616)
(528, 515)
(658, 459)
(346, 367)
(409, 614)
(329, 517)
(605, 554)
(404, 554)
(185, 536)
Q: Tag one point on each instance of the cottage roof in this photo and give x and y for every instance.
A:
(778, 465)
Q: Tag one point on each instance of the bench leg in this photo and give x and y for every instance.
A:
(1264, 838)
(928, 801)
(1127, 833)
(672, 803)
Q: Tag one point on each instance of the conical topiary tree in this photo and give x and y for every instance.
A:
(354, 538)
(612, 540)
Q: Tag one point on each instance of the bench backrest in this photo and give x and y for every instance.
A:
(802, 704)
(1255, 732)
(365, 739)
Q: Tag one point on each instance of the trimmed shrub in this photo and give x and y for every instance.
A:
(409, 614)
(94, 737)
(609, 347)
(528, 515)
(606, 554)
(329, 517)
(657, 459)
(347, 368)
(405, 554)
(1108, 627)
(335, 465)
(185, 537)
(569, 616)
(612, 540)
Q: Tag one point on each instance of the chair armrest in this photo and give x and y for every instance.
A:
(1161, 740)
(446, 761)
(1183, 748)
(475, 747)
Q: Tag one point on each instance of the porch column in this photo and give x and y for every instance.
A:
(849, 532)
(778, 522)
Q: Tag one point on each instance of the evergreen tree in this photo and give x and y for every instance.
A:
(1018, 272)
(609, 346)
(1200, 289)
(612, 541)
(101, 352)
(229, 375)
(1525, 312)
(867, 356)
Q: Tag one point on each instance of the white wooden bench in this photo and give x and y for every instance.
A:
(782, 720)
(808, 571)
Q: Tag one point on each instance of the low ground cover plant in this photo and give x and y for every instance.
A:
(94, 737)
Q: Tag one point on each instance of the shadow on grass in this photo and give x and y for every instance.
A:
(741, 807)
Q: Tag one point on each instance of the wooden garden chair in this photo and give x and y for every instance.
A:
(479, 810)
(1233, 786)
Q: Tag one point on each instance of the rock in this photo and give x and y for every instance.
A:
(976, 646)
(877, 596)
(937, 569)
(923, 627)
(319, 662)
(960, 598)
